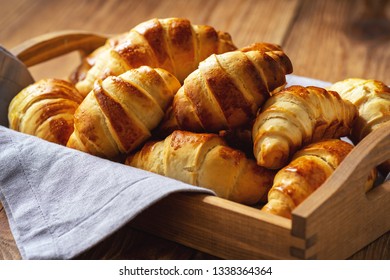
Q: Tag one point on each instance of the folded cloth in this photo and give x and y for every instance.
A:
(60, 201)
(304, 81)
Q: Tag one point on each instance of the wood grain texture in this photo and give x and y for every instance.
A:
(204, 223)
(247, 21)
(328, 40)
(8, 249)
(132, 244)
(334, 40)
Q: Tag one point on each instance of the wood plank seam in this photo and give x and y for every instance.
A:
(302, 245)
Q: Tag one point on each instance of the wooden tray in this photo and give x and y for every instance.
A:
(333, 223)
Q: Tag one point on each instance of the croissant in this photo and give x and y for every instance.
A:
(307, 171)
(372, 99)
(204, 159)
(45, 109)
(88, 61)
(295, 117)
(226, 90)
(173, 44)
(120, 112)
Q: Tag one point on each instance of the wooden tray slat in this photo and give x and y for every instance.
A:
(218, 226)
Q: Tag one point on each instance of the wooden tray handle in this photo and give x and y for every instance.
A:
(341, 205)
(51, 45)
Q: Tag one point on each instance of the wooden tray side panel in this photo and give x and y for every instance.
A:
(340, 218)
(205, 223)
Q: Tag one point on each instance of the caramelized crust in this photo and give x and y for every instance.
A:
(296, 117)
(226, 90)
(274, 51)
(307, 171)
(88, 61)
(45, 109)
(120, 113)
(372, 99)
(204, 159)
(173, 44)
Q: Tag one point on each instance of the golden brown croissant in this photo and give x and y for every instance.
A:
(120, 112)
(173, 44)
(88, 61)
(295, 117)
(45, 109)
(307, 171)
(204, 159)
(372, 99)
(226, 90)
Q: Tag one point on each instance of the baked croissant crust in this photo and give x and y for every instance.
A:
(45, 109)
(173, 44)
(120, 112)
(297, 116)
(204, 159)
(307, 171)
(372, 99)
(89, 60)
(226, 90)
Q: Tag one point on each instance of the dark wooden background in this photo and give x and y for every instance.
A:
(328, 40)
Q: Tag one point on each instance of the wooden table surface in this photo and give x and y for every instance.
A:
(328, 40)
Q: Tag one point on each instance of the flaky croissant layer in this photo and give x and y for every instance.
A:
(120, 112)
(297, 116)
(45, 109)
(173, 44)
(307, 171)
(372, 99)
(227, 89)
(204, 159)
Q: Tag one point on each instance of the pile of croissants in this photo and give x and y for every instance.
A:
(183, 101)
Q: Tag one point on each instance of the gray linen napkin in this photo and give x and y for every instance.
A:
(60, 202)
